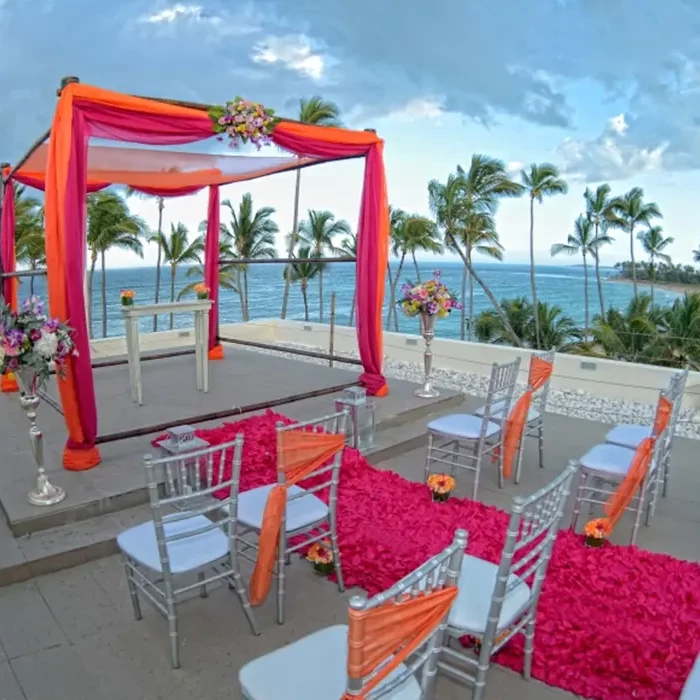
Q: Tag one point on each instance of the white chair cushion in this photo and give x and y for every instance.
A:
(300, 512)
(187, 554)
(613, 459)
(691, 689)
(312, 668)
(497, 411)
(462, 425)
(627, 435)
(477, 581)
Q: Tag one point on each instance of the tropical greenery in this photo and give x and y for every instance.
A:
(110, 225)
(29, 232)
(303, 272)
(348, 249)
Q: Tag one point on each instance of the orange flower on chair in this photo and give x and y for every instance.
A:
(597, 532)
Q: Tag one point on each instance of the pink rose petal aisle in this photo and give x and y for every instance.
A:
(616, 622)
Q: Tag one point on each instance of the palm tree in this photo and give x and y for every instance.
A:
(29, 232)
(321, 112)
(396, 221)
(541, 181)
(131, 192)
(317, 232)
(557, 331)
(348, 249)
(110, 224)
(633, 212)
(252, 235)
(475, 192)
(489, 326)
(696, 255)
(654, 243)
(582, 241)
(178, 250)
(227, 272)
(303, 272)
(600, 210)
(678, 345)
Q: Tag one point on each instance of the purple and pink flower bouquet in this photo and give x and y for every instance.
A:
(431, 297)
(243, 121)
(29, 339)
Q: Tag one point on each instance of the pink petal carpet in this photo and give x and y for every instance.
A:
(617, 622)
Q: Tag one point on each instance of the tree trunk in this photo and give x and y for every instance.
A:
(161, 205)
(104, 295)
(393, 292)
(504, 319)
(471, 304)
(391, 295)
(415, 264)
(306, 301)
(463, 311)
(533, 284)
(245, 293)
(320, 296)
(352, 307)
(91, 275)
(239, 287)
(173, 271)
(31, 279)
(585, 298)
(634, 265)
(652, 279)
(292, 245)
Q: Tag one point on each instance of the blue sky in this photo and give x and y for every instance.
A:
(608, 90)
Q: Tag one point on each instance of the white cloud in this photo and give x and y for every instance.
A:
(174, 13)
(419, 108)
(618, 124)
(292, 51)
(514, 166)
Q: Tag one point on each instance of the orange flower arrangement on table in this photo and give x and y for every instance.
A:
(597, 532)
(320, 555)
(201, 290)
(441, 486)
(127, 297)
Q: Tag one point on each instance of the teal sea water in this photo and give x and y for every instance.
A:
(559, 285)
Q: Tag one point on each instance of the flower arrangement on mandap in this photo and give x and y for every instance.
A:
(597, 532)
(242, 121)
(30, 342)
(432, 298)
(320, 555)
(127, 297)
(201, 290)
(441, 486)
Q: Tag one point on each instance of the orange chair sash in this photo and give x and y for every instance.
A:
(299, 454)
(624, 493)
(540, 372)
(392, 630)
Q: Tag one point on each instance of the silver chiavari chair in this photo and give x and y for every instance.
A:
(316, 666)
(496, 602)
(534, 426)
(462, 440)
(161, 556)
(631, 435)
(604, 466)
(307, 517)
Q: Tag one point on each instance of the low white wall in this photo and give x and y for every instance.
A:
(607, 378)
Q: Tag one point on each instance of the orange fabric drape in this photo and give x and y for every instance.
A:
(540, 372)
(394, 629)
(624, 493)
(299, 454)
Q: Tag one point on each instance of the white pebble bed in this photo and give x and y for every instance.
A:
(572, 403)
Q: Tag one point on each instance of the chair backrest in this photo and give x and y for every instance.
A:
(675, 392)
(188, 483)
(662, 446)
(532, 529)
(540, 397)
(334, 424)
(502, 384)
(437, 573)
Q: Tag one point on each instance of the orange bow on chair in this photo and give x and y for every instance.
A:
(618, 502)
(299, 453)
(396, 629)
(540, 372)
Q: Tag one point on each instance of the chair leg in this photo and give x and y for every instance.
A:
(582, 478)
(529, 647)
(428, 456)
(666, 473)
(540, 440)
(482, 670)
(653, 495)
(638, 514)
(236, 583)
(172, 631)
(281, 576)
(501, 477)
(455, 457)
(133, 592)
(477, 472)
(336, 556)
(519, 463)
(203, 588)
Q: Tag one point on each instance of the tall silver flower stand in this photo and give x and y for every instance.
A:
(427, 324)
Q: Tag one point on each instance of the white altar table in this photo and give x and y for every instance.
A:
(131, 315)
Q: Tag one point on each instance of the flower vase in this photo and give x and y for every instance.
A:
(427, 324)
(440, 497)
(202, 297)
(324, 568)
(44, 492)
(595, 541)
(127, 301)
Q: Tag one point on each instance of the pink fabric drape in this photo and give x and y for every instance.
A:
(372, 244)
(211, 262)
(7, 244)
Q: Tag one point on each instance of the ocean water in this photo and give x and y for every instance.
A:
(559, 285)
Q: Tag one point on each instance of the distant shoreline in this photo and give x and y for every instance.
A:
(679, 287)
